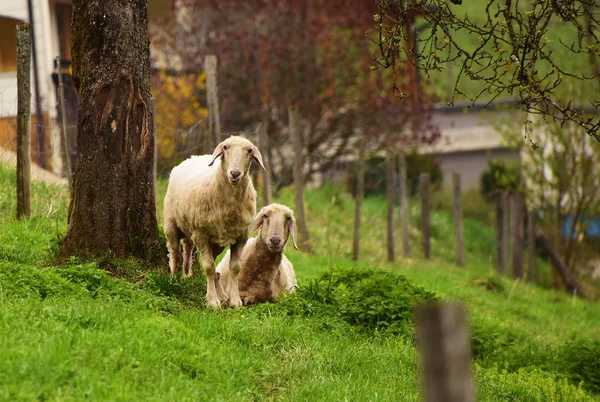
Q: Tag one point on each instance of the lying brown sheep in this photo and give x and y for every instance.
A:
(266, 271)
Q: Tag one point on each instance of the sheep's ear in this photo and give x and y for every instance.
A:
(258, 221)
(257, 156)
(292, 226)
(216, 153)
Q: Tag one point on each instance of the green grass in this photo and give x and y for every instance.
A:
(79, 332)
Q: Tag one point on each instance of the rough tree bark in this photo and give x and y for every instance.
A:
(263, 140)
(212, 99)
(112, 209)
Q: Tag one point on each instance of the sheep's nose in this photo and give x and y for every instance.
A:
(235, 174)
(275, 241)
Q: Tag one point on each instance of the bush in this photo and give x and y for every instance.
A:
(580, 360)
(367, 298)
(577, 360)
(500, 175)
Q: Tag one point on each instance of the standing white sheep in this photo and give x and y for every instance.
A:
(209, 204)
(266, 271)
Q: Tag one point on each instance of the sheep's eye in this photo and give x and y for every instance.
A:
(224, 147)
(288, 218)
(250, 150)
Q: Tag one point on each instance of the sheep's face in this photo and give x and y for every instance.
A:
(276, 223)
(236, 155)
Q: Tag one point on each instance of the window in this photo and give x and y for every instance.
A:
(8, 44)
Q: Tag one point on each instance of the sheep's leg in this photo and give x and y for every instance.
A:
(173, 246)
(235, 266)
(208, 262)
(220, 292)
(217, 250)
(188, 247)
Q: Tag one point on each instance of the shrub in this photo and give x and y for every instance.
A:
(366, 298)
(500, 175)
(580, 360)
(577, 360)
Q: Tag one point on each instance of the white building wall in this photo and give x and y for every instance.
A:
(15, 9)
(8, 94)
(46, 50)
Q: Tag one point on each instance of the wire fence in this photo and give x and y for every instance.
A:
(174, 144)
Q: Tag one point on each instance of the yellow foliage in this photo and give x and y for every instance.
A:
(178, 107)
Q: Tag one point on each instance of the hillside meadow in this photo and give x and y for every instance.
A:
(118, 330)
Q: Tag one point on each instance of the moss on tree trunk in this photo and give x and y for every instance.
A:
(112, 209)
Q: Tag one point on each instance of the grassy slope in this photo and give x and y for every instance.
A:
(74, 333)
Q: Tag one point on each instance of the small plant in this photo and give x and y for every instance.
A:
(499, 176)
(493, 283)
(189, 291)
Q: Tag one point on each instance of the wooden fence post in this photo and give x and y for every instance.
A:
(358, 196)
(23, 121)
(390, 189)
(404, 206)
(212, 99)
(263, 141)
(298, 146)
(531, 255)
(63, 122)
(424, 183)
(516, 213)
(502, 216)
(445, 351)
(458, 221)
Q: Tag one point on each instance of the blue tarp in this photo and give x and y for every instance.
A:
(591, 227)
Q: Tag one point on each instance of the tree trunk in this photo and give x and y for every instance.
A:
(212, 99)
(263, 140)
(358, 196)
(297, 145)
(112, 210)
(390, 189)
